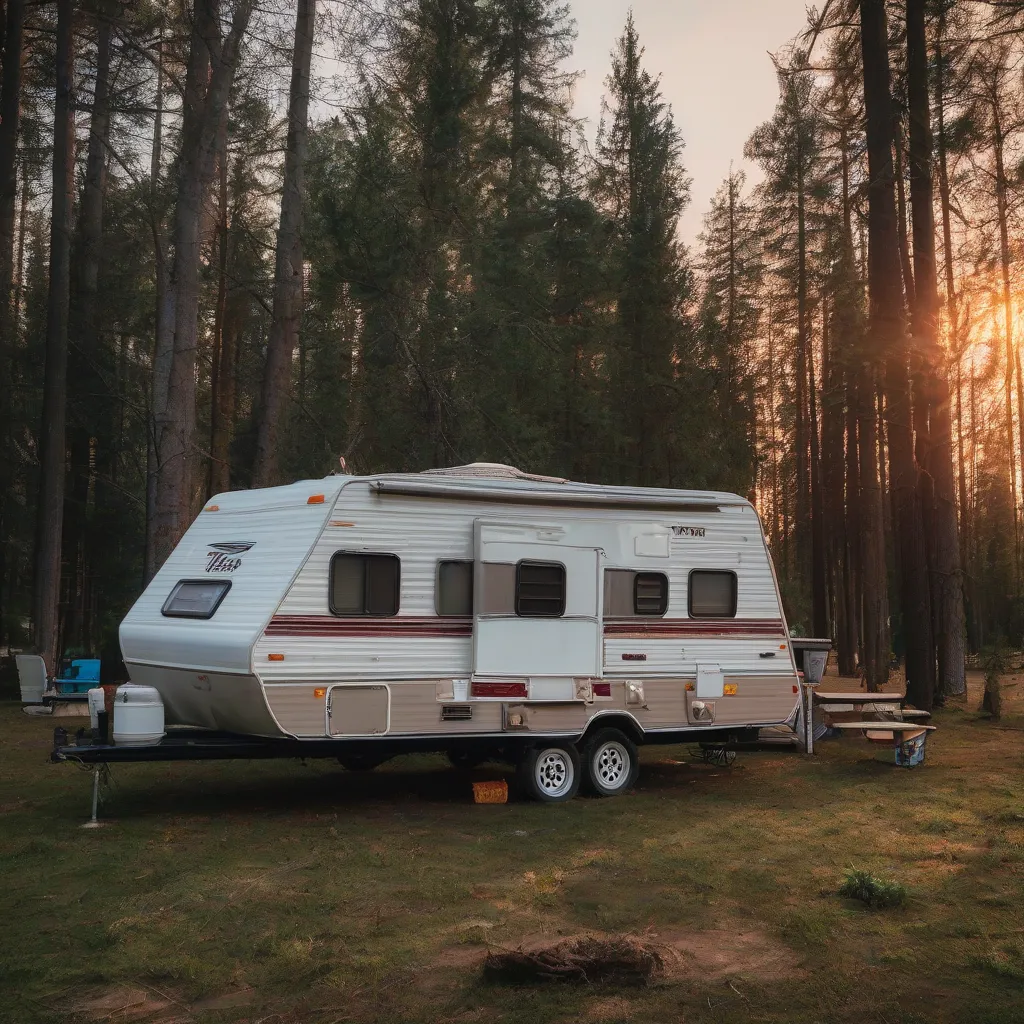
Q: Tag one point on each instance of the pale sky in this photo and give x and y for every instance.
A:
(715, 73)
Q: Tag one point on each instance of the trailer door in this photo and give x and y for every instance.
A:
(536, 603)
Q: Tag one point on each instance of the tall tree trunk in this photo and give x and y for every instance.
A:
(1004, 262)
(10, 106)
(888, 340)
(221, 376)
(803, 490)
(953, 318)
(84, 332)
(10, 109)
(819, 588)
(50, 510)
(163, 329)
(210, 72)
(872, 541)
(901, 211)
(288, 274)
(846, 486)
(849, 646)
(948, 589)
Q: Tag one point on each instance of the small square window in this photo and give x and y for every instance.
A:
(540, 589)
(365, 584)
(454, 588)
(650, 593)
(712, 594)
(195, 599)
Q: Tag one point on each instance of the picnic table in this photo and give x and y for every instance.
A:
(885, 709)
(906, 738)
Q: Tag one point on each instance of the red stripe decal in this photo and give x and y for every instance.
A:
(662, 629)
(423, 627)
(397, 626)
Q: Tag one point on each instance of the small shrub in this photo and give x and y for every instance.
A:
(877, 893)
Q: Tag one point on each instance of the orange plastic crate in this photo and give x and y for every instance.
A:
(490, 792)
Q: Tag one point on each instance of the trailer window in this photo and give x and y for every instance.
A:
(195, 599)
(629, 593)
(540, 589)
(454, 588)
(712, 594)
(650, 593)
(364, 584)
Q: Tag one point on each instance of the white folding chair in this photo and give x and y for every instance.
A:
(32, 677)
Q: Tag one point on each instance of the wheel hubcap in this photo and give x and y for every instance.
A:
(611, 764)
(554, 773)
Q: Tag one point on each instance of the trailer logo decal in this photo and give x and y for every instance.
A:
(689, 531)
(219, 560)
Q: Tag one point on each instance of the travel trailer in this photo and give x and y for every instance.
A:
(480, 611)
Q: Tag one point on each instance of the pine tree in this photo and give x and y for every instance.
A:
(936, 446)
(789, 149)
(732, 266)
(642, 187)
(516, 394)
(888, 340)
(290, 268)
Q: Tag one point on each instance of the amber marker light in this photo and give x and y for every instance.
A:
(275, 657)
(315, 499)
(320, 691)
(730, 689)
(212, 508)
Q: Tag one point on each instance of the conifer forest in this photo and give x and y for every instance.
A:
(243, 239)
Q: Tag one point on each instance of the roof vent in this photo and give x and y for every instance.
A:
(493, 471)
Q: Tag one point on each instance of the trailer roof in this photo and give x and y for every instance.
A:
(491, 482)
(485, 482)
(299, 493)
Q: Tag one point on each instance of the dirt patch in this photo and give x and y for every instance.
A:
(945, 850)
(124, 1003)
(600, 1010)
(459, 956)
(723, 953)
(227, 1001)
(128, 1003)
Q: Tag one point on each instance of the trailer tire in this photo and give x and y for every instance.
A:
(361, 762)
(550, 772)
(611, 763)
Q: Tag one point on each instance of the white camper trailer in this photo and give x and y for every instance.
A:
(480, 611)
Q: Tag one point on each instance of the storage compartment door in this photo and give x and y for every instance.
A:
(710, 681)
(507, 643)
(358, 710)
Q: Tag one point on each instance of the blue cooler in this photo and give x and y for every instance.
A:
(80, 676)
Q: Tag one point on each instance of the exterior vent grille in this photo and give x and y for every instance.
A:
(456, 712)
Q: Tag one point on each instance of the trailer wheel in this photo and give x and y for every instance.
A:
(360, 762)
(550, 774)
(610, 763)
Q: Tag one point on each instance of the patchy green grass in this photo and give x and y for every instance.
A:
(283, 892)
(877, 893)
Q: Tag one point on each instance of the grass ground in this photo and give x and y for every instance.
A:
(279, 893)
